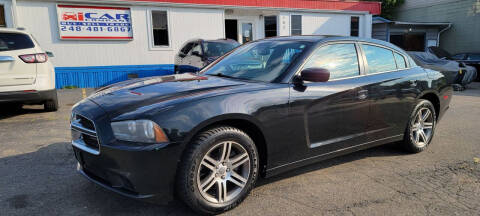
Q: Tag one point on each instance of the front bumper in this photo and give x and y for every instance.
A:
(28, 97)
(138, 174)
(132, 170)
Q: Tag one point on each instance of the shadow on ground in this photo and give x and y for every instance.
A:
(39, 180)
(9, 111)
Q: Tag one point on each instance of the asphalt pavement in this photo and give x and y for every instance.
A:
(38, 177)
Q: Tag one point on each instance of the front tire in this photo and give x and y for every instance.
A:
(421, 127)
(218, 170)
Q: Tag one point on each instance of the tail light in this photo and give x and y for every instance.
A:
(34, 58)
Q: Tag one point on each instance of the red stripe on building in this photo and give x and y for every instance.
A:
(93, 7)
(374, 8)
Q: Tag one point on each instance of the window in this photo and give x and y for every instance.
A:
(186, 49)
(197, 48)
(340, 59)
(401, 63)
(261, 61)
(354, 26)
(474, 57)
(458, 57)
(270, 26)
(379, 59)
(160, 28)
(296, 25)
(217, 49)
(15, 41)
(2, 17)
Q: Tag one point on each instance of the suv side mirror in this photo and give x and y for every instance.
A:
(49, 54)
(196, 53)
(315, 75)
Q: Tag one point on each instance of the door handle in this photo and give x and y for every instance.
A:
(362, 94)
(6, 58)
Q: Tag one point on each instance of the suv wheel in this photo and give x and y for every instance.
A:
(51, 105)
(218, 170)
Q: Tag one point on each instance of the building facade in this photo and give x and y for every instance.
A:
(410, 36)
(97, 44)
(464, 35)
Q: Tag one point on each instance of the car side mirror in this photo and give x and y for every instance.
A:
(49, 54)
(315, 75)
(196, 53)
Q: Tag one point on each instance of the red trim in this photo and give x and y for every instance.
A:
(374, 8)
(93, 7)
(93, 37)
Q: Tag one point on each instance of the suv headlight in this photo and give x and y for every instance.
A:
(144, 131)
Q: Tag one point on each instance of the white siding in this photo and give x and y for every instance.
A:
(326, 24)
(40, 19)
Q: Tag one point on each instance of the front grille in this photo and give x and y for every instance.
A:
(85, 122)
(84, 134)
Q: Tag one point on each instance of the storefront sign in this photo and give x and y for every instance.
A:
(76, 22)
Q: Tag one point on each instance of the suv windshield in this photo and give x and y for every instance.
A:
(15, 41)
(217, 49)
(260, 61)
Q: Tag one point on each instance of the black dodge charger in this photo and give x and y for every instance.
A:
(267, 107)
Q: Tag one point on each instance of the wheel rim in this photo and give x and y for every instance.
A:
(223, 172)
(422, 127)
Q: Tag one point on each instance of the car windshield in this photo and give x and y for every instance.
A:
(217, 49)
(259, 61)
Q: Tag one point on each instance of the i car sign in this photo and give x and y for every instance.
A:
(76, 22)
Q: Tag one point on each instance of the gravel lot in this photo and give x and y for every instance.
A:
(38, 177)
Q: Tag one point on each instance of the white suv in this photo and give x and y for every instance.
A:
(26, 75)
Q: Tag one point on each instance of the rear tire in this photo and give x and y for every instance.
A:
(52, 104)
(218, 170)
(421, 127)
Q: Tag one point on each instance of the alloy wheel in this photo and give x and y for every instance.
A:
(422, 127)
(223, 172)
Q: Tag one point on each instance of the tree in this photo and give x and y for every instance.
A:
(388, 7)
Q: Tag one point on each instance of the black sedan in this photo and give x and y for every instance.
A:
(267, 107)
(197, 53)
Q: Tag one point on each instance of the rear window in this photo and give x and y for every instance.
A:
(15, 41)
(217, 49)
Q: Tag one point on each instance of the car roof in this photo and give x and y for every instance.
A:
(13, 30)
(331, 38)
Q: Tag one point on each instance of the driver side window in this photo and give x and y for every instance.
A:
(340, 59)
(197, 48)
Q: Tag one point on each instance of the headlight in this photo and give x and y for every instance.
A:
(145, 131)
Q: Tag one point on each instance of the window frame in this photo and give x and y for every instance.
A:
(362, 60)
(361, 66)
(151, 40)
(276, 25)
(365, 63)
(358, 26)
(291, 24)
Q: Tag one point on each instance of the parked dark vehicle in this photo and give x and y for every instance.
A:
(471, 73)
(197, 53)
(296, 101)
(472, 59)
(457, 74)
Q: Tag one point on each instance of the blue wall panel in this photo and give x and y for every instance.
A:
(98, 76)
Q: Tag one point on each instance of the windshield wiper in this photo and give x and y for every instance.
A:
(223, 75)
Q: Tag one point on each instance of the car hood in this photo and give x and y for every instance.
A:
(162, 91)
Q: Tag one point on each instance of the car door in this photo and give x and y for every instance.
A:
(392, 89)
(334, 114)
(13, 70)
